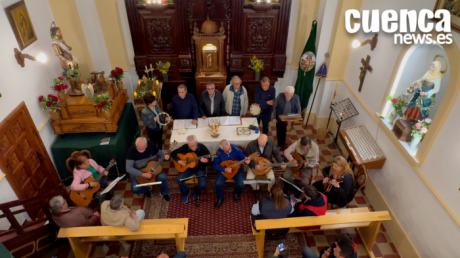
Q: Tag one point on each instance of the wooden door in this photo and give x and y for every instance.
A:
(25, 161)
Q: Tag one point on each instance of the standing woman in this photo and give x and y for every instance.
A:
(150, 117)
(338, 182)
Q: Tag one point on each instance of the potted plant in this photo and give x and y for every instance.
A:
(116, 75)
(418, 131)
(257, 65)
(398, 104)
(102, 102)
(163, 67)
(60, 85)
(72, 74)
(50, 103)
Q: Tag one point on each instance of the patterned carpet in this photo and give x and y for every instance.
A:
(226, 232)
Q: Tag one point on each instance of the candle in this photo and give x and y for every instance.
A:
(135, 94)
(138, 82)
(146, 69)
(154, 93)
(151, 67)
(156, 82)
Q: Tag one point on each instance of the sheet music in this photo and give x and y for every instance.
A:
(293, 185)
(148, 184)
(230, 120)
(256, 181)
(183, 124)
(112, 184)
(203, 122)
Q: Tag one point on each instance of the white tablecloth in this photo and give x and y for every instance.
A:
(178, 136)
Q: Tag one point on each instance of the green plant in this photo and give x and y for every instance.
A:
(256, 64)
(163, 67)
(145, 86)
(50, 102)
(71, 73)
(398, 104)
(102, 102)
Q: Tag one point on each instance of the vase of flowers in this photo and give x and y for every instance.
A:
(398, 104)
(102, 102)
(257, 65)
(163, 67)
(72, 74)
(418, 131)
(50, 103)
(117, 76)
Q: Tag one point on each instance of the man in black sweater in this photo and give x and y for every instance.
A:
(202, 154)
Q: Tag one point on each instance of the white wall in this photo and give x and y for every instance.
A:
(26, 84)
(427, 223)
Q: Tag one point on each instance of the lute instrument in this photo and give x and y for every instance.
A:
(300, 159)
(266, 165)
(328, 186)
(191, 161)
(235, 165)
(84, 198)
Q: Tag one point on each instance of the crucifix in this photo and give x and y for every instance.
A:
(365, 66)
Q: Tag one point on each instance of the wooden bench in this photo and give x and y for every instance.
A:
(367, 222)
(80, 238)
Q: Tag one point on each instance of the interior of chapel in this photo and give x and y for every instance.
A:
(229, 128)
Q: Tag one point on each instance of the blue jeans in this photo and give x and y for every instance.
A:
(220, 183)
(190, 172)
(164, 189)
(309, 253)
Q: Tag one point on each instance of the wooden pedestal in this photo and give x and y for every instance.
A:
(79, 115)
(402, 129)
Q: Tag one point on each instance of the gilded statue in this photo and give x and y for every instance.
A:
(61, 48)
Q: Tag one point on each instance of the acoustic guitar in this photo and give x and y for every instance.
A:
(191, 161)
(300, 159)
(235, 165)
(153, 167)
(85, 197)
(266, 165)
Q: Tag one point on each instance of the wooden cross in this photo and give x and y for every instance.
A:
(365, 66)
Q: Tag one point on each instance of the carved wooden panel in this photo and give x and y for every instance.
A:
(160, 34)
(259, 34)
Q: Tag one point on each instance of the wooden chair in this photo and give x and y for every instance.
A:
(80, 238)
(360, 176)
(367, 222)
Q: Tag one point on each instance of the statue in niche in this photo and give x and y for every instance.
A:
(423, 91)
(61, 49)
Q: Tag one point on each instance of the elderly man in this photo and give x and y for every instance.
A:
(265, 97)
(236, 98)
(184, 105)
(115, 213)
(137, 158)
(65, 216)
(286, 103)
(202, 153)
(225, 152)
(309, 151)
(211, 102)
(265, 147)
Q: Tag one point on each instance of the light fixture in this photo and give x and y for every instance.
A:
(21, 57)
(356, 43)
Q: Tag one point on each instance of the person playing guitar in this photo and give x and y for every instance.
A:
(262, 166)
(306, 153)
(193, 156)
(228, 152)
(140, 156)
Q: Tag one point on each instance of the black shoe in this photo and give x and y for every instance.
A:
(236, 197)
(166, 197)
(218, 204)
(196, 197)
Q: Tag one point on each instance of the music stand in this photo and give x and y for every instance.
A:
(343, 110)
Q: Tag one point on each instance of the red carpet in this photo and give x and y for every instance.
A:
(230, 219)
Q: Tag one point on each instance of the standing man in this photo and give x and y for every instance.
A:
(211, 102)
(184, 105)
(199, 150)
(265, 97)
(265, 147)
(150, 117)
(236, 98)
(137, 158)
(225, 152)
(286, 103)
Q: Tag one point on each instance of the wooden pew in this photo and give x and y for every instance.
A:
(367, 222)
(80, 238)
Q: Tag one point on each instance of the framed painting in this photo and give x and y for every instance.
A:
(453, 6)
(21, 24)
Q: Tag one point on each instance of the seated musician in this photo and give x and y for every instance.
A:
(137, 158)
(337, 184)
(228, 152)
(86, 167)
(115, 213)
(199, 150)
(265, 147)
(306, 153)
(312, 202)
(65, 216)
(343, 247)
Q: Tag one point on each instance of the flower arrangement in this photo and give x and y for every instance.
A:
(421, 127)
(116, 74)
(398, 104)
(50, 102)
(256, 64)
(71, 73)
(103, 102)
(59, 84)
(163, 67)
(145, 86)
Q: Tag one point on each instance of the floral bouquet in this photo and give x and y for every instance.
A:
(59, 84)
(163, 67)
(398, 104)
(117, 74)
(103, 102)
(256, 64)
(50, 102)
(71, 73)
(421, 127)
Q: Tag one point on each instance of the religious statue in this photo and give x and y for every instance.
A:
(61, 49)
(423, 91)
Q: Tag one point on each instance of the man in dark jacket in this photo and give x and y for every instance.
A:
(211, 102)
(286, 103)
(265, 97)
(184, 105)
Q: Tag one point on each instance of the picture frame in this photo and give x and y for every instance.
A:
(21, 24)
(453, 6)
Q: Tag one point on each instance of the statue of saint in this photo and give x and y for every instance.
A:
(61, 49)
(423, 92)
